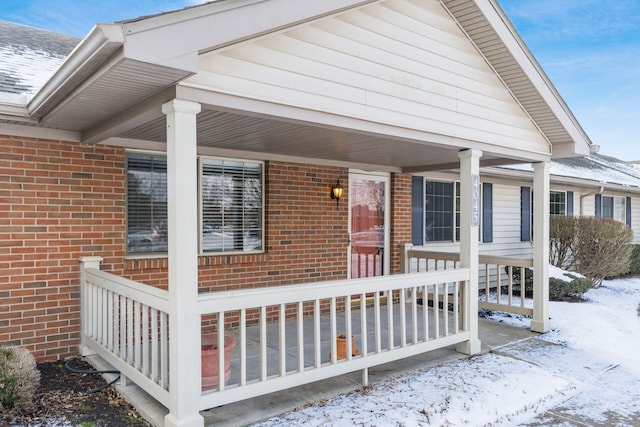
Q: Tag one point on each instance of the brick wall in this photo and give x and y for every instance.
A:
(60, 201)
(400, 217)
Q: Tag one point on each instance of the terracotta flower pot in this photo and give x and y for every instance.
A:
(341, 345)
(209, 350)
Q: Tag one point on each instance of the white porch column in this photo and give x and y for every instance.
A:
(184, 322)
(540, 321)
(469, 226)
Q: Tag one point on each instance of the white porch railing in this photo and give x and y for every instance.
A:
(286, 336)
(127, 324)
(499, 290)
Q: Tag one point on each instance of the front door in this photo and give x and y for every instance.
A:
(368, 224)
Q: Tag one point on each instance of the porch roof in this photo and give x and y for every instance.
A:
(112, 85)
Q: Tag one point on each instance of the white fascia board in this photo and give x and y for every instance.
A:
(164, 39)
(514, 43)
(93, 50)
(38, 132)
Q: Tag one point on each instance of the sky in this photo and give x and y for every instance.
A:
(590, 49)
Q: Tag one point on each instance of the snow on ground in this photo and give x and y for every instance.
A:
(498, 390)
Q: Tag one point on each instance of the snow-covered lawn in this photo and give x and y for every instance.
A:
(598, 365)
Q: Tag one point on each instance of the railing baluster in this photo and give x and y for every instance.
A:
(263, 343)
(153, 328)
(145, 340)
(122, 308)
(376, 314)
(436, 310)
(414, 314)
(137, 336)
(445, 308)
(282, 340)
(102, 329)
(390, 331)
(332, 322)
(316, 334)
(164, 350)
(242, 336)
(130, 325)
(403, 320)
(347, 320)
(510, 284)
(94, 312)
(425, 312)
(300, 316)
(110, 296)
(363, 325)
(456, 306)
(487, 282)
(221, 352)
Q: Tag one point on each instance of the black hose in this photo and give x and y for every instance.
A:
(86, 371)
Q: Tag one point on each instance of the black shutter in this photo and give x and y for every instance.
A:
(628, 211)
(487, 212)
(525, 214)
(417, 210)
(569, 203)
(598, 205)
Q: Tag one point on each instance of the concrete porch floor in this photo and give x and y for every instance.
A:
(493, 335)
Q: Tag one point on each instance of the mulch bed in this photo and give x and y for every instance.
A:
(64, 398)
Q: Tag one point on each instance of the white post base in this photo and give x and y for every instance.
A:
(470, 347)
(85, 351)
(540, 326)
(172, 421)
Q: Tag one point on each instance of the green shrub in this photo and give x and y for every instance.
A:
(559, 288)
(602, 248)
(634, 262)
(19, 379)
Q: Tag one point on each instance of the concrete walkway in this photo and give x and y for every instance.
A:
(591, 382)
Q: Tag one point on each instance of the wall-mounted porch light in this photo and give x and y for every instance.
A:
(336, 192)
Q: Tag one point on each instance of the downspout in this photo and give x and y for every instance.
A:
(591, 193)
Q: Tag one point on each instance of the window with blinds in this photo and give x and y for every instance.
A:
(231, 205)
(146, 203)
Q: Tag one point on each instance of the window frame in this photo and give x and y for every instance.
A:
(455, 225)
(152, 232)
(201, 250)
(552, 203)
(204, 252)
(613, 199)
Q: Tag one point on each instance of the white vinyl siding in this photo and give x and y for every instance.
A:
(400, 62)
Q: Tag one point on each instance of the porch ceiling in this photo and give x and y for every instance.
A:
(277, 137)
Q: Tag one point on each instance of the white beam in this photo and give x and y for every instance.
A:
(469, 247)
(540, 321)
(184, 322)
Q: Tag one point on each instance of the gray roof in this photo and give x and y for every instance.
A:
(595, 169)
(29, 56)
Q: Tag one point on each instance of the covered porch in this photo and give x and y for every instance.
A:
(274, 350)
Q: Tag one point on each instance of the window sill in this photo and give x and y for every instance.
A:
(161, 261)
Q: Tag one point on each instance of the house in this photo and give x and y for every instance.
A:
(173, 177)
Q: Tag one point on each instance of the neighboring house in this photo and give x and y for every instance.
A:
(172, 177)
(591, 185)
